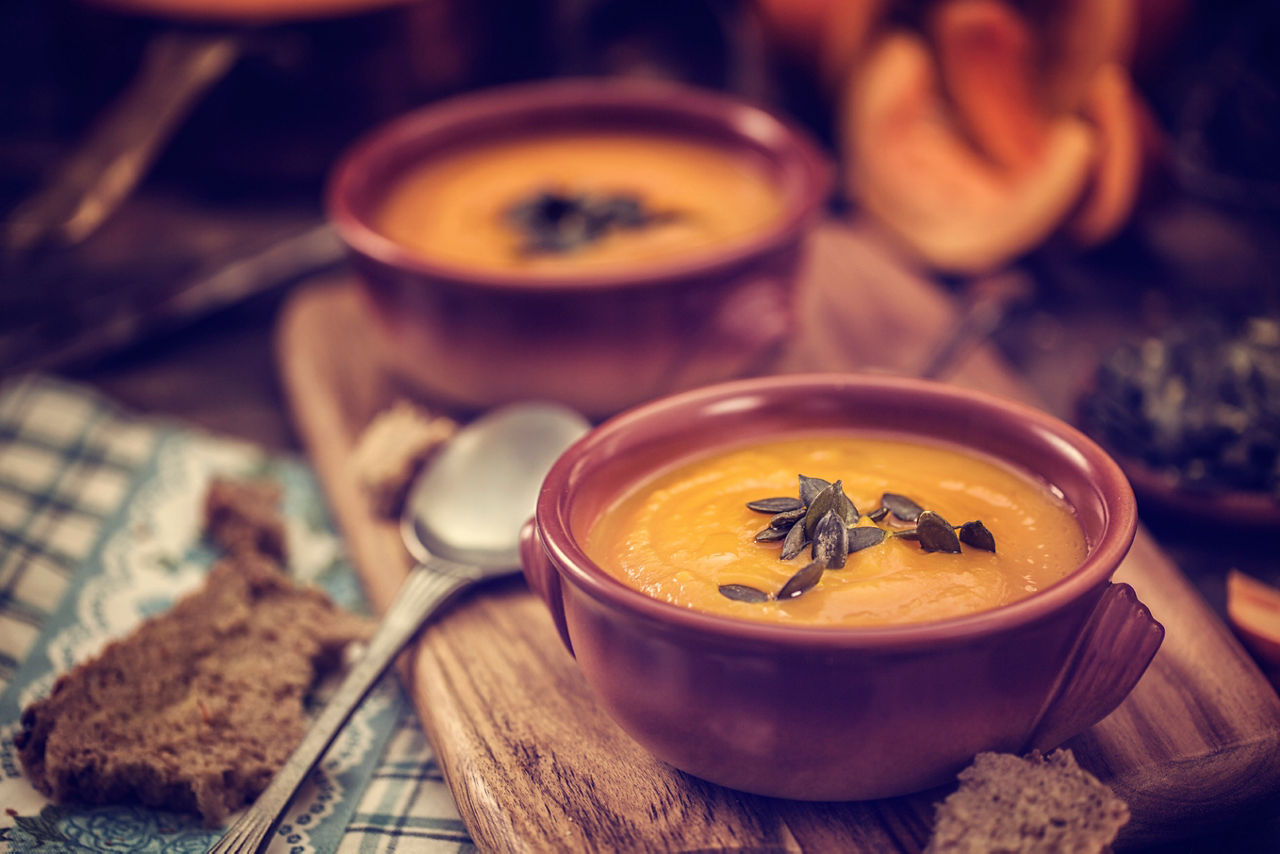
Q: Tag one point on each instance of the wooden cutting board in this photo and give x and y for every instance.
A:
(535, 765)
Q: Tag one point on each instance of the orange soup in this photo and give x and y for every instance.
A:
(640, 198)
(687, 536)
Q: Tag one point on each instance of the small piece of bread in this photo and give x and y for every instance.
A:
(1008, 803)
(391, 450)
(243, 517)
(198, 707)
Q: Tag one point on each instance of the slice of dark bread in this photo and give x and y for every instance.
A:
(1037, 803)
(198, 707)
(243, 517)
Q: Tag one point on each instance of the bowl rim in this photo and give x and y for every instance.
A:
(569, 559)
(752, 125)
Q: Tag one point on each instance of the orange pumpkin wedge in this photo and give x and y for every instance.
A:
(1112, 105)
(846, 32)
(911, 168)
(1082, 36)
(987, 55)
(1253, 609)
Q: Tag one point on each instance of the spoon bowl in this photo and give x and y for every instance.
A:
(461, 523)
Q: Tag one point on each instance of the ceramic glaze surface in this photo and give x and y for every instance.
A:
(831, 712)
(603, 335)
(681, 535)
(455, 207)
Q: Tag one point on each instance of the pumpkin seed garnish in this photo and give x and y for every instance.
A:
(554, 222)
(827, 519)
(846, 509)
(810, 487)
(831, 541)
(976, 534)
(781, 504)
(795, 541)
(770, 535)
(787, 518)
(831, 498)
(901, 506)
(743, 593)
(864, 537)
(936, 534)
(818, 507)
(804, 580)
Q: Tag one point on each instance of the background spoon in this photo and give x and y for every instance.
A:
(461, 522)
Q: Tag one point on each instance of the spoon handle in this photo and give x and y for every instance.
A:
(421, 594)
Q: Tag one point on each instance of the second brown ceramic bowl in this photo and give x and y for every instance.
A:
(823, 713)
(599, 341)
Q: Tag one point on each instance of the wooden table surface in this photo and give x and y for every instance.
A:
(221, 375)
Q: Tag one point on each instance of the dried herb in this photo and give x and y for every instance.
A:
(743, 593)
(803, 581)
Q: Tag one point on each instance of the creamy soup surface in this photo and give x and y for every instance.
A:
(681, 535)
(453, 209)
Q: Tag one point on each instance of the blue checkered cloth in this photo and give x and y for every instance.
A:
(99, 528)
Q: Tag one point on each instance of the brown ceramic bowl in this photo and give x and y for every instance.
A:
(596, 341)
(821, 713)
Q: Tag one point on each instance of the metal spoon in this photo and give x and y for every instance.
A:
(461, 522)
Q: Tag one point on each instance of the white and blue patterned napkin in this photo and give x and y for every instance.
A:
(100, 515)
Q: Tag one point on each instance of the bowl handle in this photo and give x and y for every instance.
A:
(543, 577)
(1118, 642)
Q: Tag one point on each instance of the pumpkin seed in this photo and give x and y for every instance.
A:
(810, 487)
(845, 508)
(976, 534)
(936, 534)
(865, 537)
(787, 518)
(804, 580)
(878, 514)
(830, 541)
(743, 593)
(781, 504)
(901, 506)
(770, 535)
(818, 507)
(795, 541)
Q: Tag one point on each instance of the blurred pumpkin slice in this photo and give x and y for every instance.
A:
(912, 169)
(827, 36)
(1253, 609)
(1113, 107)
(795, 25)
(987, 56)
(844, 37)
(1081, 37)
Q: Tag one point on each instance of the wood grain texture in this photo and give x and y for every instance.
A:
(534, 764)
